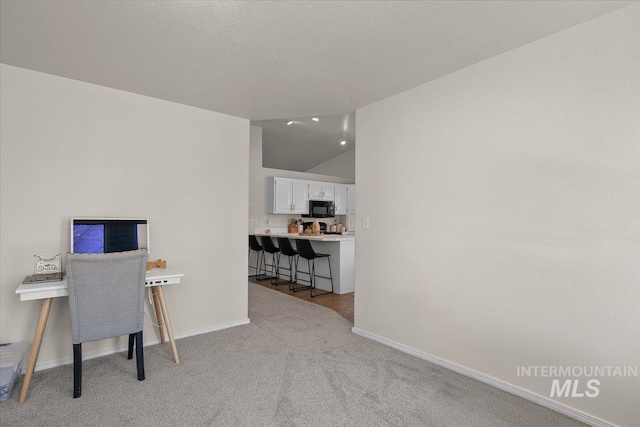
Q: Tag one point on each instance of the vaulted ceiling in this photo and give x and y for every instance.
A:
(302, 143)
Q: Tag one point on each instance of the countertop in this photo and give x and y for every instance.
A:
(321, 238)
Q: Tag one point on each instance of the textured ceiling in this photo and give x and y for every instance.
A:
(266, 60)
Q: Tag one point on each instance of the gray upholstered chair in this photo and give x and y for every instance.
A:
(106, 299)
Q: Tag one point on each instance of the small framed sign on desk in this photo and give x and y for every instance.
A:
(43, 264)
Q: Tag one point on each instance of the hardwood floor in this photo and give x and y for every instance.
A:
(342, 304)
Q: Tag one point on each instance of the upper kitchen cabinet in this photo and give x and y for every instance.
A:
(321, 191)
(341, 198)
(287, 196)
(351, 195)
(300, 192)
(345, 199)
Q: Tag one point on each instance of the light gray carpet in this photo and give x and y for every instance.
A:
(295, 364)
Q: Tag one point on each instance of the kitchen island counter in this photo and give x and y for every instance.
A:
(343, 257)
(320, 238)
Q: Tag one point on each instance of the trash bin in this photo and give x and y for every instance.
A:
(11, 355)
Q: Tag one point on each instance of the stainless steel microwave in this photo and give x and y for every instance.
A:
(320, 209)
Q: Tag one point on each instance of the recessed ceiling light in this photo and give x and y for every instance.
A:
(344, 141)
(290, 122)
(315, 119)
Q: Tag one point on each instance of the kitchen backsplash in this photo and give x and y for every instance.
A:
(273, 221)
(280, 222)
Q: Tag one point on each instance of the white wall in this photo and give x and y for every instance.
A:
(257, 190)
(505, 216)
(74, 149)
(342, 165)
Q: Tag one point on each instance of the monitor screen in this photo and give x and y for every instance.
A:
(105, 235)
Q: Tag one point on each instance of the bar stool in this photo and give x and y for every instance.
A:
(270, 248)
(254, 245)
(287, 250)
(306, 251)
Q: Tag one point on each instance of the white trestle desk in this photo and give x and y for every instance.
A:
(47, 291)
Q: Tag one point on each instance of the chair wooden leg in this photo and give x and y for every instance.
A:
(131, 342)
(77, 370)
(139, 356)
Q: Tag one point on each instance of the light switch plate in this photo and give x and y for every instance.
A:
(365, 223)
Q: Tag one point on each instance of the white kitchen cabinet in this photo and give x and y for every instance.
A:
(341, 198)
(345, 199)
(282, 197)
(287, 196)
(315, 190)
(300, 196)
(321, 190)
(351, 195)
(350, 222)
(327, 191)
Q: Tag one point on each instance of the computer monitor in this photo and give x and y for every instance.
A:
(105, 235)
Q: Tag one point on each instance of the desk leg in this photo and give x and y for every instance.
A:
(158, 308)
(35, 347)
(167, 322)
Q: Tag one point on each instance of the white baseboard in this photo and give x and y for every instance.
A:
(213, 328)
(502, 385)
(69, 360)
